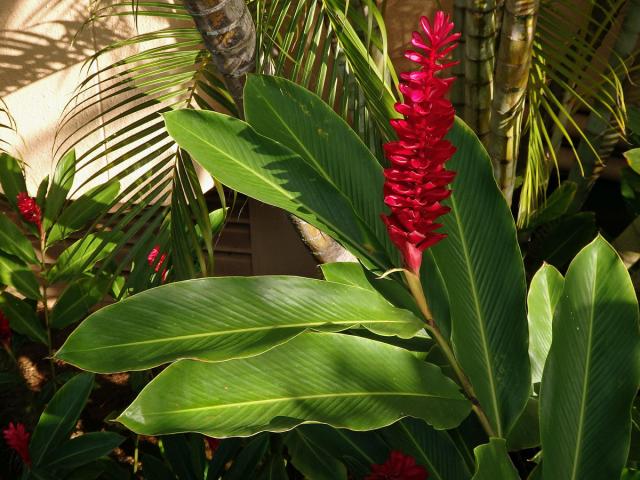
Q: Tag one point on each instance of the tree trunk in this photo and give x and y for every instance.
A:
(480, 32)
(599, 127)
(509, 93)
(229, 34)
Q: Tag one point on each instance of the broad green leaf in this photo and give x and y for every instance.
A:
(11, 178)
(311, 459)
(245, 464)
(357, 450)
(633, 159)
(22, 317)
(302, 121)
(559, 241)
(629, 474)
(544, 294)
(155, 468)
(60, 417)
(482, 268)
(227, 450)
(76, 299)
(185, 454)
(83, 210)
(42, 192)
(493, 462)
(435, 291)
(13, 242)
(275, 469)
(83, 449)
(232, 152)
(556, 205)
(82, 255)
(591, 376)
(526, 432)
(342, 380)
(431, 448)
(346, 273)
(15, 274)
(222, 318)
(60, 186)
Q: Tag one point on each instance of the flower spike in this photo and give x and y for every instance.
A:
(417, 181)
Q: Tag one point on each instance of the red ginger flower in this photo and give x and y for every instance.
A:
(152, 257)
(29, 209)
(17, 438)
(5, 329)
(398, 467)
(417, 180)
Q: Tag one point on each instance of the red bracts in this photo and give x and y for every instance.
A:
(417, 181)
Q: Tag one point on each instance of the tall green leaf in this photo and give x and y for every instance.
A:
(83, 210)
(482, 268)
(11, 178)
(13, 242)
(592, 373)
(62, 181)
(22, 317)
(16, 274)
(261, 168)
(431, 448)
(342, 380)
(493, 462)
(311, 459)
(544, 294)
(295, 117)
(82, 255)
(82, 450)
(76, 300)
(221, 318)
(60, 417)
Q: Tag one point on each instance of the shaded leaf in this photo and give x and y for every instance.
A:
(311, 459)
(83, 449)
(23, 318)
(13, 242)
(493, 462)
(15, 274)
(11, 178)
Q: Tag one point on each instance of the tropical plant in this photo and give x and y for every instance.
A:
(382, 339)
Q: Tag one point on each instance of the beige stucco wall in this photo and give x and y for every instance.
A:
(41, 61)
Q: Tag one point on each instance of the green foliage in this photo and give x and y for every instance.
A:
(270, 392)
(591, 375)
(493, 462)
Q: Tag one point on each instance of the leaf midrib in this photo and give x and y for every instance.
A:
(238, 330)
(479, 316)
(318, 396)
(585, 382)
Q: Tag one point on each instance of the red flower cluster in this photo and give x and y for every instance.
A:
(17, 438)
(29, 209)
(398, 467)
(153, 261)
(416, 182)
(5, 329)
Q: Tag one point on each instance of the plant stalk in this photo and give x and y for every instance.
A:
(415, 286)
(43, 267)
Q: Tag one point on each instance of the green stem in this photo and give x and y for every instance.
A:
(415, 286)
(45, 302)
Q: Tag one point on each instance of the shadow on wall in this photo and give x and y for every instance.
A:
(38, 39)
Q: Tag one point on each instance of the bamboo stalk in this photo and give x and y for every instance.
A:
(480, 32)
(512, 74)
(457, 90)
(599, 126)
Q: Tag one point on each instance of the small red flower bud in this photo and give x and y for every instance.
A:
(417, 180)
(17, 438)
(29, 209)
(151, 260)
(398, 467)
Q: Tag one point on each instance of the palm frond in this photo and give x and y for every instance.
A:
(336, 48)
(570, 72)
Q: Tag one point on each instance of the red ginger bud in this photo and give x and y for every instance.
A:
(398, 467)
(417, 181)
(17, 438)
(29, 209)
